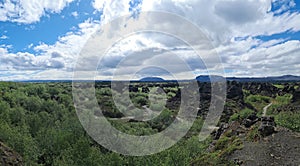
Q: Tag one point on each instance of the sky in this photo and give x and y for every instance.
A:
(42, 40)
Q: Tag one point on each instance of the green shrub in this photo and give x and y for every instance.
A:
(140, 101)
(280, 101)
(241, 115)
(289, 120)
(258, 101)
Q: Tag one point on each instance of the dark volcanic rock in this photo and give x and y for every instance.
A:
(133, 89)
(267, 126)
(296, 96)
(235, 91)
(234, 128)
(145, 90)
(250, 120)
(264, 89)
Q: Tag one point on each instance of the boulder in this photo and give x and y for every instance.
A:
(267, 126)
(145, 90)
(250, 120)
(133, 89)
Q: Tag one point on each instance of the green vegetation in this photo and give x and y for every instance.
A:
(283, 118)
(225, 146)
(258, 102)
(241, 115)
(289, 120)
(279, 86)
(279, 101)
(253, 135)
(257, 99)
(286, 119)
(39, 122)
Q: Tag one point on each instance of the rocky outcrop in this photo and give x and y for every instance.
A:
(235, 91)
(234, 128)
(250, 120)
(145, 89)
(133, 89)
(267, 126)
(264, 89)
(8, 157)
(296, 96)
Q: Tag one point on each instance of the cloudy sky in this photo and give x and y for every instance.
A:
(43, 39)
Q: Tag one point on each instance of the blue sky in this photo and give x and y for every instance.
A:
(42, 38)
(49, 28)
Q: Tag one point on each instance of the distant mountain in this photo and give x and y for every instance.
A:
(287, 78)
(216, 78)
(284, 78)
(201, 78)
(151, 79)
(211, 78)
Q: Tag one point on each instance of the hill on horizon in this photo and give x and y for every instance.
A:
(151, 79)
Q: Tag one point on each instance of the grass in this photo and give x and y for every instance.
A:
(279, 86)
(241, 115)
(279, 101)
(224, 146)
(289, 120)
(258, 102)
(246, 92)
(253, 134)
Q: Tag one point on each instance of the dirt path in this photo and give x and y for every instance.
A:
(266, 108)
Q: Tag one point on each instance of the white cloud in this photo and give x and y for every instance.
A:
(264, 60)
(3, 37)
(29, 11)
(112, 9)
(75, 14)
(232, 26)
(68, 47)
(225, 19)
(59, 57)
(27, 61)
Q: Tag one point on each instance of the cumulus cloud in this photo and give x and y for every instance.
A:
(112, 9)
(59, 57)
(3, 37)
(278, 59)
(239, 12)
(27, 61)
(75, 14)
(234, 28)
(29, 11)
(225, 19)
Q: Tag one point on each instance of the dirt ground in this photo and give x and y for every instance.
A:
(281, 148)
